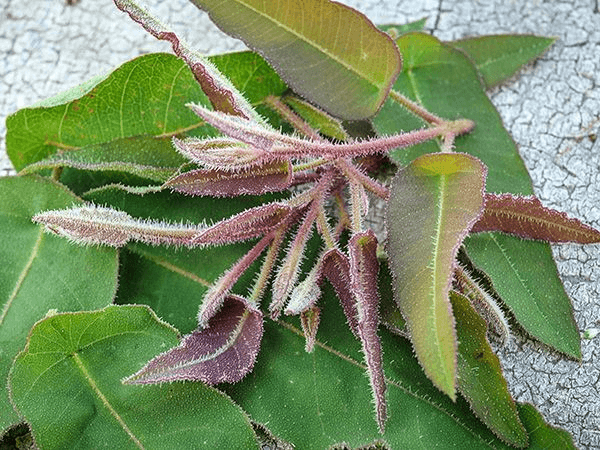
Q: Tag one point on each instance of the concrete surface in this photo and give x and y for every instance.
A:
(552, 110)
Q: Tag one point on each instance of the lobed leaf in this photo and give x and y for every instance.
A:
(225, 351)
(480, 378)
(256, 180)
(41, 272)
(349, 77)
(526, 217)
(67, 385)
(433, 203)
(499, 57)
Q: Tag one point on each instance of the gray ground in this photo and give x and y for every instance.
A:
(47, 46)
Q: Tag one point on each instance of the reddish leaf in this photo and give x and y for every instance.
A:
(220, 153)
(223, 352)
(336, 268)
(222, 94)
(363, 272)
(246, 225)
(257, 180)
(528, 218)
(309, 320)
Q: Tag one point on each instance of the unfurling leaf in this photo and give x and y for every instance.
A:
(482, 301)
(253, 222)
(309, 320)
(336, 268)
(91, 224)
(433, 203)
(526, 217)
(270, 177)
(222, 94)
(363, 272)
(220, 153)
(306, 293)
(223, 352)
(349, 77)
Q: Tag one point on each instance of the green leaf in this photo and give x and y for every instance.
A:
(445, 82)
(459, 93)
(433, 203)
(499, 57)
(147, 157)
(145, 96)
(395, 30)
(328, 390)
(317, 119)
(542, 435)
(349, 77)
(40, 271)
(480, 378)
(525, 276)
(173, 280)
(67, 384)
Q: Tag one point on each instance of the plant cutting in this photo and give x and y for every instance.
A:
(272, 276)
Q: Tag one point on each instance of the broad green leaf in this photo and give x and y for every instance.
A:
(145, 96)
(41, 272)
(395, 30)
(499, 57)
(525, 276)
(480, 378)
(459, 93)
(328, 390)
(443, 80)
(173, 280)
(67, 384)
(433, 203)
(146, 157)
(349, 77)
(541, 434)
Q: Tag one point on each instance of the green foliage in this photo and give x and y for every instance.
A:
(167, 128)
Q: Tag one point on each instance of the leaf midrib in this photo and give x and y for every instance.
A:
(301, 37)
(389, 381)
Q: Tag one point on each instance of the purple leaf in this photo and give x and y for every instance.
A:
(336, 268)
(364, 268)
(271, 177)
(246, 225)
(309, 319)
(223, 352)
(528, 218)
(91, 224)
(221, 153)
(222, 94)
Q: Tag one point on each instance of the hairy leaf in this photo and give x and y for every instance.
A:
(363, 272)
(269, 177)
(158, 83)
(310, 320)
(221, 92)
(67, 384)
(329, 391)
(147, 157)
(480, 378)
(41, 272)
(253, 222)
(434, 201)
(225, 351)
(499, 57)
(349, 77)
(525, 276)
(526, 217)
(317, 119)
(91, 224)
